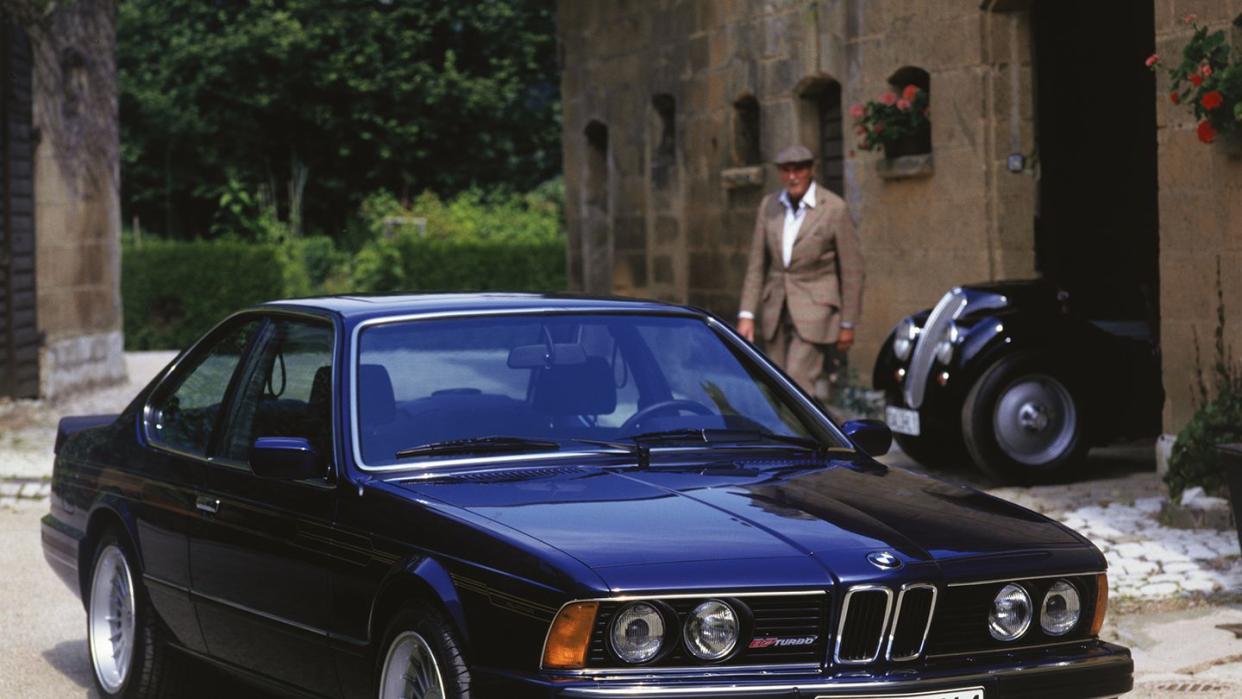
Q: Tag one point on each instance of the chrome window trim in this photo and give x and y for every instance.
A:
(260, 314)
(892, 632)
(1025, 578)
(845, 606)
(600, 672)
(723, 330)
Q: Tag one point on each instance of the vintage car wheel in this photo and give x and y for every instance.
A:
(128, 654)
(421, 658)
(1022, 423)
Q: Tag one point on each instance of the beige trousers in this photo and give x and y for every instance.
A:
(802, 360)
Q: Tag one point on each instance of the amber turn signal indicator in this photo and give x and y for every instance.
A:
(1101, 603)
(570, 636)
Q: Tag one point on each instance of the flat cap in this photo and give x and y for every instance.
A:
(794, 154)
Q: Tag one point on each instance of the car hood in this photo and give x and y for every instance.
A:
(764, 521)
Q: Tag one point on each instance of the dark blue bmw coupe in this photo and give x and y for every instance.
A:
(544, 496)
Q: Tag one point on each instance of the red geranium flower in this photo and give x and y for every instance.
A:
(888, 98)
(1152, 60)
(1174, 97)
(1196, 79)
(1207, 132)
(910, 92)
(1211, 100)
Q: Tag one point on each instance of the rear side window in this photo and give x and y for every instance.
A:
(184, 412)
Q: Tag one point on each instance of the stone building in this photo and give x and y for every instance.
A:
(60, 306)
(1053, 153)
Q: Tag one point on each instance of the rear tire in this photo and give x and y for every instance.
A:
(129, 656)
(421, 657)
(1022, 423)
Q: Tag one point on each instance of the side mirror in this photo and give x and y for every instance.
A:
(872, 436)
(285, 458)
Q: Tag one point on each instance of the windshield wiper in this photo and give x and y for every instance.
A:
(474, 445)
(639, 445)
(712, 435)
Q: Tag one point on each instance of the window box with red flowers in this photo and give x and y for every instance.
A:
(896, 123)
(1208, 81)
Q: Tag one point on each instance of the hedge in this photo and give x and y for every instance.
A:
(174, 291)
(408, 262)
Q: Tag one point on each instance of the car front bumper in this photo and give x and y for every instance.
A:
(1082, 672)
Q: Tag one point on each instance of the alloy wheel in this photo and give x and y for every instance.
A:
(110, 622)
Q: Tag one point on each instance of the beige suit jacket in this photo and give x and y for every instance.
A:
(824, 281)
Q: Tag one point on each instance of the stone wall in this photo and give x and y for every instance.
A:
(1200, 220)
(673, 221)
(77, 197)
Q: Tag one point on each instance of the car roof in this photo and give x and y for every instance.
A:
(365, 306)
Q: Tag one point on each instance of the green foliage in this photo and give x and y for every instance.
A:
(467, 243)
(1217, 418)
(1208, 80)
(173, 291)
(330, 100)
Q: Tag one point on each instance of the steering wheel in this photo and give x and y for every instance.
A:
(664, 406)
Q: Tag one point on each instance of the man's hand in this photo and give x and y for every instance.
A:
(746, 328)
(844, 340)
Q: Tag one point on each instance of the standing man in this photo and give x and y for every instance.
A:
(805, 273)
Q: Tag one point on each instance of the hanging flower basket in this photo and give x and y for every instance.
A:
(1208, 81)
(896, 123)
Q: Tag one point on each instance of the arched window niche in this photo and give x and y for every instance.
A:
(597, 166)
(664, 127)
(747, 151)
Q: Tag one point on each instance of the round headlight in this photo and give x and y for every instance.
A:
(944, 350)
(1011, 613)
(638, 632)
(1060, 610)
(711, 630)
(904, 337)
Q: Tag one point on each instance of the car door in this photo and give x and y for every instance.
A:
(259, 568)
(180, 419)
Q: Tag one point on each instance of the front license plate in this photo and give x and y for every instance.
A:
(902, 420)
(968, 693)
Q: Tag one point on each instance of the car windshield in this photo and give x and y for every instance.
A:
(516, 383)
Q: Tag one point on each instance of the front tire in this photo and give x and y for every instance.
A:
(1022, 423)
(421, 657)
(128, 655)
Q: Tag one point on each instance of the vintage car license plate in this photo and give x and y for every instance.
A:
(902, 420)
(968, 693)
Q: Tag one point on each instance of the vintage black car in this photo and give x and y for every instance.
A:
(1011, 374)
(544, 496)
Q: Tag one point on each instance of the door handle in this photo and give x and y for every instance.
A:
(207, 504)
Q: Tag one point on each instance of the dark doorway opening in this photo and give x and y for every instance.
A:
(1096, 226)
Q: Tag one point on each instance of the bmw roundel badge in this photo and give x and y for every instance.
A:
(884, 560)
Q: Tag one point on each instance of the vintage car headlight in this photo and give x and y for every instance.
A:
(711, 630)
(944, 350)
(638, 632)
(1011, 613)
(1061, 609)
(903, 339)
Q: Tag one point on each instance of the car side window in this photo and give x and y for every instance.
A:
(184, 412)
(286, 390)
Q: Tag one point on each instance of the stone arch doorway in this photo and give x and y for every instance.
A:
(1096, 218)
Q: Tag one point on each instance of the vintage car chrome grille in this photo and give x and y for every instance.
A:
(775, 617)
(951, 304)
(961, 623)
(911, 621)
(864, 618)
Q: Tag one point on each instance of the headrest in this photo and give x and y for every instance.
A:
(377, 404)
(576, 389)
(321, 387)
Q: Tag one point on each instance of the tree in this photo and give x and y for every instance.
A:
(316, 103)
